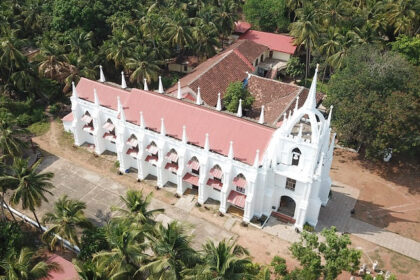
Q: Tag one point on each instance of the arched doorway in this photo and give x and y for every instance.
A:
(287, 206)
(296, 153)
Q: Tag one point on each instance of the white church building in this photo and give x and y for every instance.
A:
(249, 165)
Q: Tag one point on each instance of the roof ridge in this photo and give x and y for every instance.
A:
(277, 81)
(243, 58)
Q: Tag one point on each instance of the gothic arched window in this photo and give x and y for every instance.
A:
(296, 153)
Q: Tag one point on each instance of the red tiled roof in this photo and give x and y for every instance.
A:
(215, 74)
(199, 120)
(242, 26)
(66, 271)
(276, 97)
(237, 199)
(68, 117)
(276, 42)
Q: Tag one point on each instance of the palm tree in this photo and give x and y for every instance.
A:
(226, 261)
(226, 18)
(53, 64)
(206, 39)
(178, 32)
(172, 253)
(10, 56)
(80, 42)
(305, 30)
(26, 266)
(67, 218)
(404, 15)
(31, 186)
(4, 187)
(120, 47)
(144, 65)
(88, 270)
(11, 143)
(127, 241)
(137, 207)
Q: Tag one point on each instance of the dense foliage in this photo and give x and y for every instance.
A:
(267, 15)
(237, 91)
(376, 102)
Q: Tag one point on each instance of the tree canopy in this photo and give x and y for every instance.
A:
(235, 92)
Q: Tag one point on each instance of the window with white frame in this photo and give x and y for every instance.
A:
(290, 184)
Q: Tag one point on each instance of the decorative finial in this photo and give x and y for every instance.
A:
(261, 120)
(297, 103)
(95, 97)
(162, 127)
(257, 159)
(142, 123)
(160, 90)
(184, 134)
(239, 113)
(219, 103)
(101, 74)
(123, 83)
(120, 109)
(74, 91)
(145, 87)
(230, 154)
(310, 101)
(207, 143)
(179, 95)
(198, 101)
(330, 114)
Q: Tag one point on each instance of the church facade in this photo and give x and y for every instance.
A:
(256, 168)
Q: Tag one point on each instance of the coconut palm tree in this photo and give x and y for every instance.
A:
(65, 221)
(226, 261)
(172, 252)
(31, 186)
(305, 30)
(80, 42)
(25, 265)
(127, 242)
(404, 16)
(226, 18)
(178, 32)
(144, 64)
(88, 270)
(11, 57)
(137, 207)
(206, 39)
(11, 143)
(120, 47)
(53, 64)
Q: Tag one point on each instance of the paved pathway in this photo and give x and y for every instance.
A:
(100, 193)
(337, 213)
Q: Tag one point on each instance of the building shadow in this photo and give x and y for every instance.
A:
(46, 160)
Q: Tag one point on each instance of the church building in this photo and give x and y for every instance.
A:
(250, 165)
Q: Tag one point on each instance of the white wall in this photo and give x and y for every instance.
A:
(281, 56)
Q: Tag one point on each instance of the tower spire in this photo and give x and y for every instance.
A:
(145, 87)
(257, 159)
(261, 120)
(101, 74)
(198, 101)
(239, 113)
(123, 83)
(120, 109)
(329, 115)
(310, 101)
(160, 90)
(74, 91)
(297, 104)
(179, 95)
(142, 123)
(219, 103)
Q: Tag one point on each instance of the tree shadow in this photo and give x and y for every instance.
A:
(47, 160)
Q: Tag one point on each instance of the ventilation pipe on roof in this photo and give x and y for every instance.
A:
(239, 113)
(198, 101)
(162, 127)
(184, 134)
(145, 87)
(142, 123)
(219, 103)
(101, 74)
(179, 95)
(95, 96)
(257, 159)
(160, 90)
(207, 143)
(261, 120)
(123, 83)
(230, 154)
(74, 91)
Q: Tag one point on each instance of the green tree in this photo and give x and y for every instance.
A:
(409, 47)
(324, 258)
(26, 265)
(267, 15)
(93, 241)
(225, 261)
(30, 185)
(172, 252)
(375, 98)
(11, 136)
(65, 221)
(144, 64)
(235, 92)
(295, 68)
(137, 205)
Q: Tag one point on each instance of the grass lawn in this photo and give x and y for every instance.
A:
(39, 128)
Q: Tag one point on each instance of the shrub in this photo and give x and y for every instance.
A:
(234, 92)
(11, 238)
(24, 120)
(308, 227)
(54, 109)
(39, 128)
(93, 241)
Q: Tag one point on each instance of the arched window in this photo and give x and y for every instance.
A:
(296, 153)
(153, 156)
(216, 181)
(194, 164)
(172, 158)
(240, 183)
(109, 128)
(133, 146)
(88, 120)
